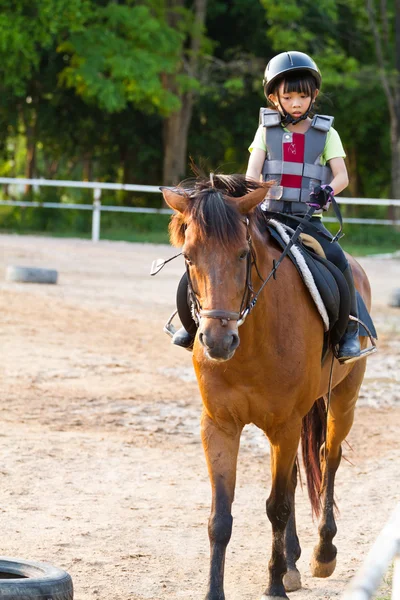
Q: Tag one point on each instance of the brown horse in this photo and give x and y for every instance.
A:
(272, 376)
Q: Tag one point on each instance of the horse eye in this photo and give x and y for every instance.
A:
(243, 254)
(187, 260)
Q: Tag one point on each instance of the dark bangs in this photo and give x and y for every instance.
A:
(301, 82)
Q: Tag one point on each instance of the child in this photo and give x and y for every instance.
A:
(302, 152)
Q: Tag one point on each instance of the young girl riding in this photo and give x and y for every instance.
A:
(303, 153)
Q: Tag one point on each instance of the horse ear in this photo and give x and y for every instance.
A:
(246, 203)
(176, 201)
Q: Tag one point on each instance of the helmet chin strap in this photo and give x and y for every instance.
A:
(287, 119)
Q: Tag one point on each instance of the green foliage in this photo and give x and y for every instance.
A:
(364, 240)
(359, 240)
(27, 30)
(84, 84)
(78, 223)
(118, 59)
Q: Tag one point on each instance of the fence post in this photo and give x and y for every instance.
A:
(96, 215)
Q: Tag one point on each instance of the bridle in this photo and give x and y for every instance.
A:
(249, 298)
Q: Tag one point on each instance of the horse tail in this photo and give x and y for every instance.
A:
(313, 434)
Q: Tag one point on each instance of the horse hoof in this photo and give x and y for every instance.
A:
(292, 580)
(320, 569)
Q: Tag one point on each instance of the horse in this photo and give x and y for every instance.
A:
(272, 374)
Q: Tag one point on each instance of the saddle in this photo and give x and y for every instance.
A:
(331, 285)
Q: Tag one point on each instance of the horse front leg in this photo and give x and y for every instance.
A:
(221, 446)
(284, 445)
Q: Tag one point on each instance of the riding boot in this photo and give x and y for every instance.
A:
(183, 338)
(349, 345)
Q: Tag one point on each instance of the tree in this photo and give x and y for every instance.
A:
(27, 33)
(90, 59)
(338, 35)
(385, 28)
(118, 58)
(183, 84)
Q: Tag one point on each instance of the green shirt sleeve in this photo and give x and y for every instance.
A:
(259, 140)
(333, 147)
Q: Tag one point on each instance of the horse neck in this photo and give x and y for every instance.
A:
(284, 299)
(265, 254)
(273, 300)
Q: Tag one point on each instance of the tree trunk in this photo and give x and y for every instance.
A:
(30, 132)
(176, 130)
(354, 180)
(391, 88)
(394, 211)
(176, 126)
(87, 167)
(395, 120)
(127, 198)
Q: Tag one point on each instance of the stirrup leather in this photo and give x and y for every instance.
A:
(169, 328)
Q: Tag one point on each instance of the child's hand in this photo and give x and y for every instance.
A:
(321, 197)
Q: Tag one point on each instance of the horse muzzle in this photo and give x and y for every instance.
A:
(218, 338)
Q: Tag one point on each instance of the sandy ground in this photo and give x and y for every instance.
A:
(102, 470)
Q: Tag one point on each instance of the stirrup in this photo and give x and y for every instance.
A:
(364, 353)
(169, 328)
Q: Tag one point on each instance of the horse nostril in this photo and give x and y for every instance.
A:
(231, 341)
(235, 341)
(205, 341)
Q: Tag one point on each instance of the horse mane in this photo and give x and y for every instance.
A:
(211, 212)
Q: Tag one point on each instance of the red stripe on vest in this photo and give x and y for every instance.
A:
(293, 151)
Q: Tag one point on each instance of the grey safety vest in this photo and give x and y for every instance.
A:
(289, 199)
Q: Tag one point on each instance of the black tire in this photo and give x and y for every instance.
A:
(395, 299)
(29, 580)
(31, 275)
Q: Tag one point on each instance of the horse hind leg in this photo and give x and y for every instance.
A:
(323, 561)
(340, 420)
(292, 578)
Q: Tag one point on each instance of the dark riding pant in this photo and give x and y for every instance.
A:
(317, 229)
(182, 304)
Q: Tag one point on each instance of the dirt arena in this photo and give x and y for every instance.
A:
(102, 470)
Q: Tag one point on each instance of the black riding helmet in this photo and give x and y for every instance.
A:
(288, 62)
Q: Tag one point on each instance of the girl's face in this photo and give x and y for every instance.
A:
(294, 103)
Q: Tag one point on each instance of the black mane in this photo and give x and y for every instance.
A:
(213, 213)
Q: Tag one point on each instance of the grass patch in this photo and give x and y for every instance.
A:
(364, 240)
(368, 249)
(385, 589)
(360, 240)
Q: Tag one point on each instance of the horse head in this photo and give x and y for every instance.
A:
(212, 223)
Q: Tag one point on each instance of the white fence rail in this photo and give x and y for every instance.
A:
(385, 550)
(97, 208)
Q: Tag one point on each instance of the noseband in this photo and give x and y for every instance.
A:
(248, 300)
